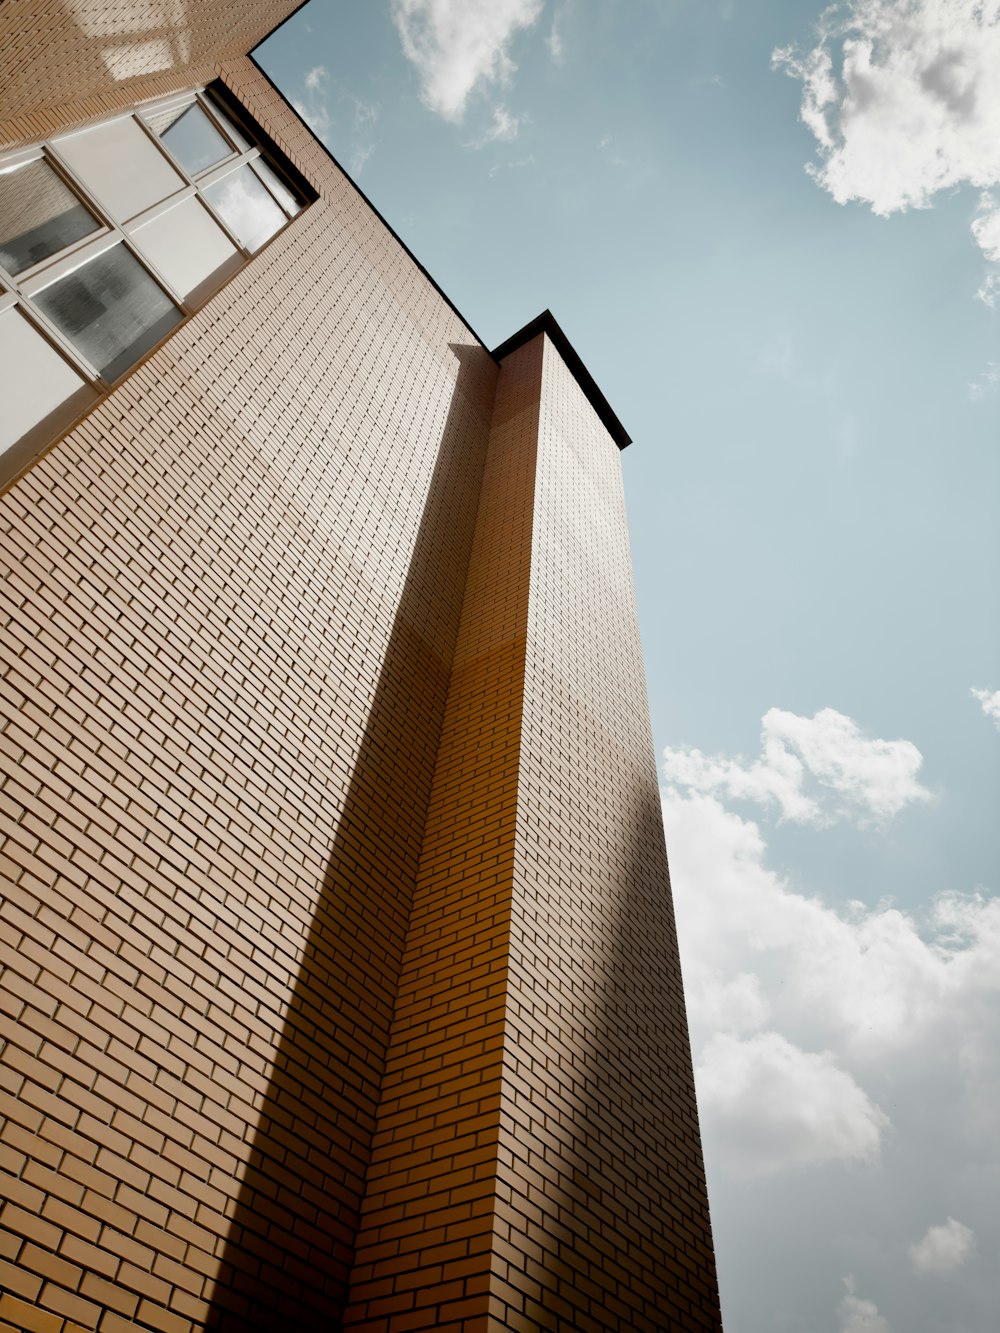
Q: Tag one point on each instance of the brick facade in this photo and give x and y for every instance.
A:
(335, 921)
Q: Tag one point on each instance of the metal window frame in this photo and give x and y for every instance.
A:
(21, 289)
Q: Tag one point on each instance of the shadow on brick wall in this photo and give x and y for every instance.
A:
(289, 1251)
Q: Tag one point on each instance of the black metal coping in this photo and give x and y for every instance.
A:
(546, 323)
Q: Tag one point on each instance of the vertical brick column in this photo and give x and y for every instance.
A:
(602, 1209)
(425, 1248)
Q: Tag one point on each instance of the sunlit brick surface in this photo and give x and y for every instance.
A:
(425, 1250)
(340, 982)
(230, 603)
(67, 60)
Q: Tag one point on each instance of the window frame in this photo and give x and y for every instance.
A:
(21, 290)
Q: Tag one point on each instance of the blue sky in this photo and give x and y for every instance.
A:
(809, 364)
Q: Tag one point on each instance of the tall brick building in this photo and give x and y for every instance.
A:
(340, 980)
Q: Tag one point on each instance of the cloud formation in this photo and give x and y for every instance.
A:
(989, 701)
(312, 106)
(501, 129)
(460, 46)
(858, 1315)
(773, 1105)
(816, 770)
(847, 1058)
(943, 1248)
(903, 101)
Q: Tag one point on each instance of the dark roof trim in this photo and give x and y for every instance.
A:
(546, 323)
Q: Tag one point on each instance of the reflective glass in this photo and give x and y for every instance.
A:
(277, 187)
(39, 216)
(235, 134)
(122, 166)
(190, 136)
(246, 207)
(111, 309)
(35, 377)
(185, 245)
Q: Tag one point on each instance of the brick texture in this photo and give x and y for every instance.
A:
(602, 1219)
(67, 61)
(230, 599)
(339, 977)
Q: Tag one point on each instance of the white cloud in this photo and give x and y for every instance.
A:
(989, 701)
(316, 78)
(903, 100)
(459, 46)
(502, 129)
(860, 982)
(774, 1105)
(943, 1248)
(847, 773)
(989, 380)
(858, 1315)
(312, 106)
(316, 116)
(554, 41)
(847, 1061)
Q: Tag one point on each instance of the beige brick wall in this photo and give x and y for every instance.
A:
(229, 602)
(602, 1211)
(66, 61)
(425, 1251)
(334, 883)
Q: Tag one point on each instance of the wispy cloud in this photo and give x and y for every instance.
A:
(502, 128)
(554, 41)
(314, 106)
(513, 165)
(943, 1248)
(816, 770)
(904, 102)
(988, 381)
(989, 702)
(460, 46)
(858, 1315)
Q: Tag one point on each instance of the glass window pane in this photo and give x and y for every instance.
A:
(186, 245)
(39, 216)
(246, 207)
(277, 187)
(111, 309)
(237, 136)
(35, 378)
(190, 136)
(123, 167)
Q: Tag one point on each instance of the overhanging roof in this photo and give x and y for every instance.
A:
(546, 323)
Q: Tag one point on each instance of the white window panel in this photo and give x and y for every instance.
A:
(121, 165)
(36, 379)
(185, 245)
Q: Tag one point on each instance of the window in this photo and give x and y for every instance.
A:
(109, 236)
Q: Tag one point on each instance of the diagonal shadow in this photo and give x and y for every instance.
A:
(289, 1250)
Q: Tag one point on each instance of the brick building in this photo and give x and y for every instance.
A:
(340, 982)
